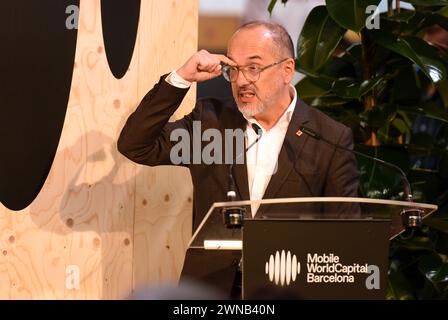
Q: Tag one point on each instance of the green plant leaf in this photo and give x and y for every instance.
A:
(353, 54)
(309, 88)
(404, 15)
(424, 149)
(350, 14)
(379, 116)
(354, 89)
(428, 109)
(328, 102)
(443, 11)
(271, 6)
(406, 85)
(408, 65)
(434, 67)
(319, 38)
(400, 125)
(391, 132)
(434, 269)
(417, 50)
(433, 19)
(440, 224)
(379, 181)
(442, 88)
(427, 184)
(428, 3)
(412, 26)
(442, 273)
(438, 19)
(416, 243)
(398, 287)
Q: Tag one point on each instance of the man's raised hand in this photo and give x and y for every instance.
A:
(203, 66)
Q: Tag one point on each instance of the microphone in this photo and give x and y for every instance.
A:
(231, 193)
(233, 216)
(410, 217)
(406, 184)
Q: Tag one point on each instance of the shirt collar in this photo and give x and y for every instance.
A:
(286, 116)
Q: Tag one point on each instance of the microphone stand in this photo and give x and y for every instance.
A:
(233, 216)
(410, 218)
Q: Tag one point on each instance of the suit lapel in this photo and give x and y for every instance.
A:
(240, 174)
(292, 146)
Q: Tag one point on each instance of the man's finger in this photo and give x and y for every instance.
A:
(204, 64)
(226, 60)
(216, 70)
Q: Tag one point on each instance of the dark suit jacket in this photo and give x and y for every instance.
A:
(306, 167)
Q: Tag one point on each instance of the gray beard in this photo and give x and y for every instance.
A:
(251, 112)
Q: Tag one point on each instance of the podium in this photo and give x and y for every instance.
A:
(300, 248)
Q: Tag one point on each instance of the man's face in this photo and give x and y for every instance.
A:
(256, 47)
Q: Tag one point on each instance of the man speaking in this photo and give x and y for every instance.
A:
(281, 163)
(276, 159)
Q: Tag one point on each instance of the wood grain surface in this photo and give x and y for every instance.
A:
(102, 225)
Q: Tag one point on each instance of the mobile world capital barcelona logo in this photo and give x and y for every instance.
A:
(283, 268)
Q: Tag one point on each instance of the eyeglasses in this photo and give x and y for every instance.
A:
(250, 72)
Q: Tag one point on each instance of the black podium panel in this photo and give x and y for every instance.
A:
(219, 269)
(315, 259)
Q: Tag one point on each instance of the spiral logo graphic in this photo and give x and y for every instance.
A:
(282, 268)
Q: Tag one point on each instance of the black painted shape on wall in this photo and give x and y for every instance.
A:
(36, 66)
(120, 25)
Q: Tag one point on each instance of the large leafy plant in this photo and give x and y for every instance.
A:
(383, 85)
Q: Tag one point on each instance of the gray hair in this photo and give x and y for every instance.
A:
(281, 37)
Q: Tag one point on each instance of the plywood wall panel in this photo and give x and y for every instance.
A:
(163, 198)
(82, 224)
